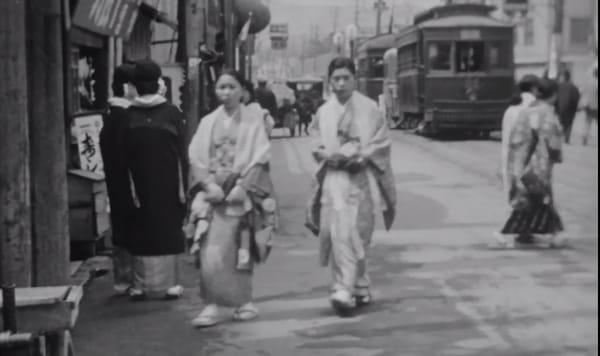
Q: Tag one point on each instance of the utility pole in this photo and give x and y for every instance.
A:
(50, 209)
(554, 62)
(15, 208)
(230, 40)
(336, 15)
(380, 6)
(357, 13)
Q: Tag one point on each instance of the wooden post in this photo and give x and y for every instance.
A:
(554, 65)
(50, 220)
(15, 208)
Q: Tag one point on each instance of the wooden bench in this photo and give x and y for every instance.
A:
(51, 313)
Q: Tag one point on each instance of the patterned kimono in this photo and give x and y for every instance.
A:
(535, 146)
(509, 120)
(238, 151)
(342, 210)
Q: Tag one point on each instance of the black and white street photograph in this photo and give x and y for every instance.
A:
(299, 177)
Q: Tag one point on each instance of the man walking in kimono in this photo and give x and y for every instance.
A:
(354, 179)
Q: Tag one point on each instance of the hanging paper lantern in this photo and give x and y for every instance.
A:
(261, 16)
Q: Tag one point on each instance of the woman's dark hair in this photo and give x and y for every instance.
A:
(546, 88)
(566, 74)
(145, 77)
(525, 85)
(341, 63)
(516, 99)
(233, 73)
(528, 83)
(123, 74)
(249, 87)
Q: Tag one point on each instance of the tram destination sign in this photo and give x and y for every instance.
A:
(107, 17)
(470, 35)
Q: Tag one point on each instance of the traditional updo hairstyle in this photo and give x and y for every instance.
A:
(123, 75)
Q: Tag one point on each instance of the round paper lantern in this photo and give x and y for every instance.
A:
(261, 16)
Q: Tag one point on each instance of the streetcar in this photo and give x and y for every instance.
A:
(370, 56)
(455, 70)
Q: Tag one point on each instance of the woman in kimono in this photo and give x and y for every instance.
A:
(524, 97)
(233, 208)
(535, 144)
(156, 157)
(354, 180)
(117, 177)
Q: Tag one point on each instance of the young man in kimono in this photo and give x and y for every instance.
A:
(354, 179)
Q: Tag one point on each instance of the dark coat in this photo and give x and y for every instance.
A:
(115, 169)
(157, 158)
(267, 100)
(567, 102)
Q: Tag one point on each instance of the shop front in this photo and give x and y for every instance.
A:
(93, 28)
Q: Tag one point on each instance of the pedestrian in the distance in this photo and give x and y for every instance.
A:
(117, 176)
(249, 99)
(354, 180)
(567, 102)
(233, 206)
(157, 161)
(535, 147)
(590, 104)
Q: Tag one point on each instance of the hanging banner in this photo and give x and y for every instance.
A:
(107, 17)
(86, 130)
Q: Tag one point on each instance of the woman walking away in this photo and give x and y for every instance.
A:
(590, 104)
(117, 177)
(535, 146)
(354, 179)
(233, 206)
(157, 161)
(524, 97)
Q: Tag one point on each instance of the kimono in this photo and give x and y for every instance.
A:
(341, 212)
(231, 152)
(157, 164)
(118, 187)
(534, 147)
(508, 123)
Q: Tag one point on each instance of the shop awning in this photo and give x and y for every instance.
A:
(158, 16)
(116, 17)
(107, 17)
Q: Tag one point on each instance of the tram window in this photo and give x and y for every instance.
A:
(439, 56)
(499, 55)
(407, 57)
(470, 56)
(377, 67)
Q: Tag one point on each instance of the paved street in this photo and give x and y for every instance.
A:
(438, 289)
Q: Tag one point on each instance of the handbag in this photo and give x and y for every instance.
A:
(533, 184)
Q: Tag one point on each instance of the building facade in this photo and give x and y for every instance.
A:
(534, 22)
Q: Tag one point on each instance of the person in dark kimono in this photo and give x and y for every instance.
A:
(266, 98)
(156, 155)
(117, 179)
(567, 103)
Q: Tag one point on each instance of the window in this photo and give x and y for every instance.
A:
(376, 69)
(407, 57)
(529, 32)
(439, 55)
(470, 56)
(580, 31)
(499, 55)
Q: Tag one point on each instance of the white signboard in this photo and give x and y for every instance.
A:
(87, 132)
